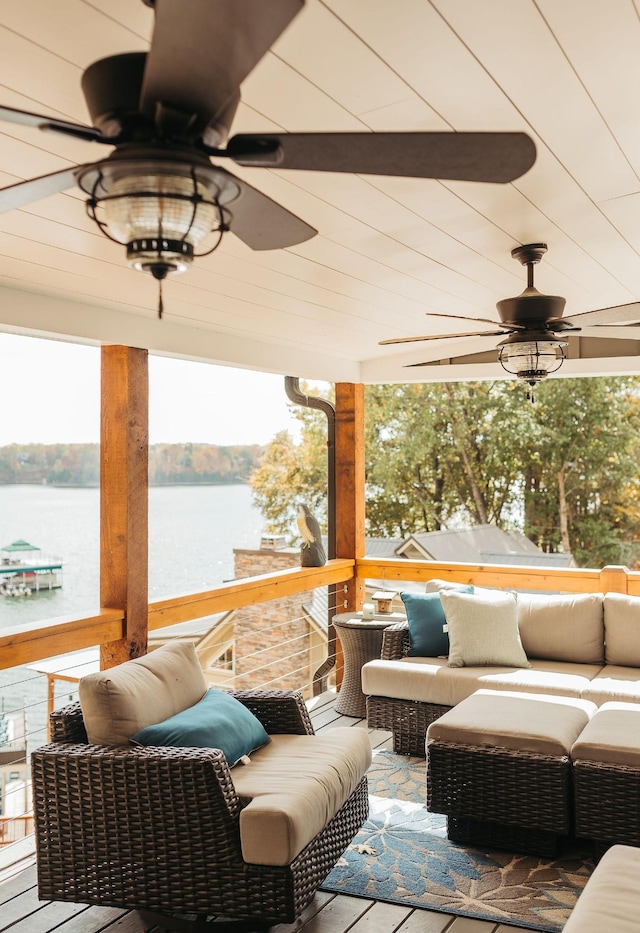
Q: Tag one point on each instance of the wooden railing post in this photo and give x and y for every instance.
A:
(349, 494)
(124, 470)
(614, 579)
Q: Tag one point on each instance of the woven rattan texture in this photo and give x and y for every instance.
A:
(407, 719)
(502, 786)
(67, 724)
(395, 642)
(361, 642)
(158, 828)
(607, 802)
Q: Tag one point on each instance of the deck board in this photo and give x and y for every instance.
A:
(22, 912)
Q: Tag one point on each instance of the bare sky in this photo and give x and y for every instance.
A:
(51, 393)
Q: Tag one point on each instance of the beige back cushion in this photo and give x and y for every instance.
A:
(622, 629)
(120, 701)
(562, 628)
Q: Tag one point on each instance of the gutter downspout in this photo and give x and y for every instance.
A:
(294, 393)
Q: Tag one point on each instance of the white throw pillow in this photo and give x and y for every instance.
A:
(483, 629)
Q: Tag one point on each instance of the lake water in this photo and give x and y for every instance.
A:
(192, 533)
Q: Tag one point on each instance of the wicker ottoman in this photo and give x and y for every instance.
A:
(498, 766)
(606, 768)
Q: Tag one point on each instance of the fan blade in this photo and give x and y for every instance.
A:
(484, 356)
(41, 122)
(25, 192)
(484, 320)
(619, 314)
(477, 333)
(262, 223)
(203, 49)
(490, 157)
(617, 332)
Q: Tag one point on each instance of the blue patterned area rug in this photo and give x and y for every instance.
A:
(402, 855)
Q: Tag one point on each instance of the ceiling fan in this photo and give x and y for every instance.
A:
(166, 113)
(534, 347)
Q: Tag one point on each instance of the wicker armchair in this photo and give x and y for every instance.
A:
(157, 829)
(407, 719)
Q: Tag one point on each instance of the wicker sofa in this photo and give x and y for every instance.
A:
(585, 646)
(177, 830)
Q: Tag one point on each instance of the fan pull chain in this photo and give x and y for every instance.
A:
(160, 302)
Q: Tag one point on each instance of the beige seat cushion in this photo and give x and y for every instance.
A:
(122, 700)
(295, 785)
(611, 737)
(614, 683)
(610, 903)
(429, 680)
(541, 724)
(562, 628)
(622, 629)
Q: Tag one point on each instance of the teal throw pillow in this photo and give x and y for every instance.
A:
(218, 720)
(426, 619)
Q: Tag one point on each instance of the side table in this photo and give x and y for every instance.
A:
(361, 641)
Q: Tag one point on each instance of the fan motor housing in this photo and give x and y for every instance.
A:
(531, 307)
(111, 88)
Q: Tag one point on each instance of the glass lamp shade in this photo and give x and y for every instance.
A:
(157, 214)
(532, 360)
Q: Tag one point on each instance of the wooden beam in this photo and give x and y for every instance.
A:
(247, 592)
(563, 580)
(124, 469)
(25, 644)
(349, 497)
(614, 579)
(350, 543)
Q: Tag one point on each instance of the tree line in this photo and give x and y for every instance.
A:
(79, 464)
(564, 470)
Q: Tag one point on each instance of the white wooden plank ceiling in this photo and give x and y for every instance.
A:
(388, 249)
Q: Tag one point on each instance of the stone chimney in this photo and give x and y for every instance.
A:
(272, 639)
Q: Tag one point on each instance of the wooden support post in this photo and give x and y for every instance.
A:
(124, 470)
(614, 579)
(349, 493)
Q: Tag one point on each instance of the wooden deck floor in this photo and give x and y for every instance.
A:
(21, 911)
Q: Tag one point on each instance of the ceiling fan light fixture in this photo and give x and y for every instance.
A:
(532, 360)
(161, 211)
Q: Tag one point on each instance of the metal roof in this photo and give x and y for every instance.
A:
(481, 544)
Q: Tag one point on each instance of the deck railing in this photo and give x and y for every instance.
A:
(25, 644)
(15, 828)
(275, 653)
